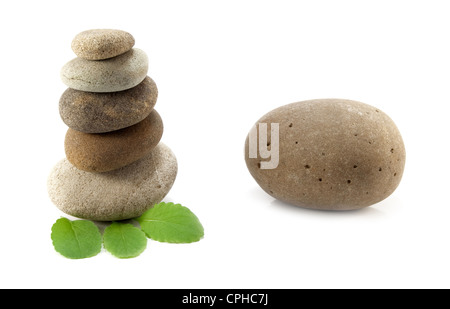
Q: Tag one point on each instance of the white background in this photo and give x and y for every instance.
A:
(219, 66)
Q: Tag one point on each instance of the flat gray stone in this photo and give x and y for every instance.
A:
(115, 74)
(121, 194)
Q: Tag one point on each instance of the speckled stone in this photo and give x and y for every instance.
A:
(91, 112)
(102, 152)
(333, 155)
(117, 195)
(115, 74)
(99, 44)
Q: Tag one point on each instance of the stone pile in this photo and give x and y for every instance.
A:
(115, 166)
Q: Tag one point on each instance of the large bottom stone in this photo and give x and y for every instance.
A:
(116, 195)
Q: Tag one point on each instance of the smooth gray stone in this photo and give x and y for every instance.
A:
(115, 74)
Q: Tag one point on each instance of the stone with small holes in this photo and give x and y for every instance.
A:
(333, 154)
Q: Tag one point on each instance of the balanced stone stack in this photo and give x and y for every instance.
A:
(115, 166)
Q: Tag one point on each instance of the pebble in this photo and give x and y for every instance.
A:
(115, 74)
(102, 152)
(99, 44)
(333, 154)
(91, 112)
(121, 194)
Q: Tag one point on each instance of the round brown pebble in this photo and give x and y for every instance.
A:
(102, 152)
(91, 112)
(333, 155)
(98, 44)
(121, 194)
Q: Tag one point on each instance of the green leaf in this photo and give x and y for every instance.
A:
(124, 240)
(173, 223)
(77, 239)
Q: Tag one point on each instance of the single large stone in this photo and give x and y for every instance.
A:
(102, 152)
(91, 112)
(117, 195)
(115, 74)
(98, 44)
(333, 154)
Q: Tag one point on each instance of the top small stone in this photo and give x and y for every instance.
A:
(99, 44)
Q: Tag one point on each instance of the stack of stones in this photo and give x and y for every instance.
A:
(115, 166)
